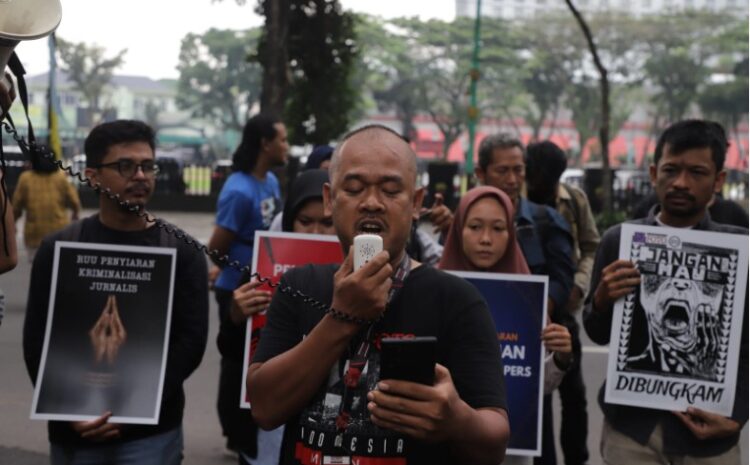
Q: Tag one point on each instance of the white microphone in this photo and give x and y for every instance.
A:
(366, 246)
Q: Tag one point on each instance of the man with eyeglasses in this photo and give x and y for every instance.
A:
(120, 161)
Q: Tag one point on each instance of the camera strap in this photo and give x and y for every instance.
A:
(358, 361)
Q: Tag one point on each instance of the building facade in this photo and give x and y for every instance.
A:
(521, 9)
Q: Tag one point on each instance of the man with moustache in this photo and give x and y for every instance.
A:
(318, 370)
(688, 168)
(120, 159)
(547, 246)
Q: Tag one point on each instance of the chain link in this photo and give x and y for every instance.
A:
(177, 232)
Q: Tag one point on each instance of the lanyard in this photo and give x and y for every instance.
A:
(358, 362)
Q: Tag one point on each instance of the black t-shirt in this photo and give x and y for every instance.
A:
(431, 303)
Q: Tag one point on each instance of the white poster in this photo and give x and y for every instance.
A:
(675, 340)
(107, 335)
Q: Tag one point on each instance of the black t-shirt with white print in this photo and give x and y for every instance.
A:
(431, 303)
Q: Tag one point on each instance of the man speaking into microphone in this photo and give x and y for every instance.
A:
(300, 374)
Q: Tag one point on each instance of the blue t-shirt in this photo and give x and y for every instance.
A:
(246, 204)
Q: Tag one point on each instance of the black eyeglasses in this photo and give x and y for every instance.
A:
(128, 168)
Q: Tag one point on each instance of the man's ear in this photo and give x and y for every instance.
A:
(418, 200)
(92, 174)
(327, 204)
(479, 172)
(652, 175)
(721, 177)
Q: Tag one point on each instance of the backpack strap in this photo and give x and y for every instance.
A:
(72, 232)
(541, 221)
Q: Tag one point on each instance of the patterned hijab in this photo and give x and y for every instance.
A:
(453, 253)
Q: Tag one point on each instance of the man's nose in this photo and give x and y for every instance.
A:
(372, 200)
(512, 180)
(139, 173)
(681, 180)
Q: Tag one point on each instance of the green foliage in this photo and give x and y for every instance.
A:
(340, 68)
(387, 71)
(606, 220)
(219, 78)
(322, 55)
(88, 68)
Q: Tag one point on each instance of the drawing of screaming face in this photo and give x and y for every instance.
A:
(672, 306)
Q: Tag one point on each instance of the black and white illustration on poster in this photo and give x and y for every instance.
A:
(106, 340)
(675, 340)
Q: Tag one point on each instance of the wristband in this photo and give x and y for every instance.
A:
(345, 317)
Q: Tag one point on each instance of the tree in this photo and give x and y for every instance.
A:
(322, 53)
(604, 106)
(726, 102)
(89, 70)
(390, 77)
(219, 78)
(273, 54)
(553, 53)
(678, 77)
(442, 58)
(678, 53)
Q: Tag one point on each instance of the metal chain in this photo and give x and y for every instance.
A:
(178, 233)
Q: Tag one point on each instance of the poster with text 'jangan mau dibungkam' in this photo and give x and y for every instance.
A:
(675, 339)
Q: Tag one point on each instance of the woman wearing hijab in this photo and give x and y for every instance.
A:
(303, 210)
(482, 238)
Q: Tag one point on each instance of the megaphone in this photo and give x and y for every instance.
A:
(24, 20)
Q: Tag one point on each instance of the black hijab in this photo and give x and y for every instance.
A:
(307, 186)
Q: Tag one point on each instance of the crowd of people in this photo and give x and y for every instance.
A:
(520, 220)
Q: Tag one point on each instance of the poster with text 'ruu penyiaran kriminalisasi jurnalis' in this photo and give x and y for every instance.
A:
(107, 334)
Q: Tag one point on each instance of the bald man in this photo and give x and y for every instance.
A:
(318, 371)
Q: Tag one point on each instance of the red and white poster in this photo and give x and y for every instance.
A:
(273, 254)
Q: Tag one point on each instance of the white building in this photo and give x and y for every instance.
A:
(517, 9)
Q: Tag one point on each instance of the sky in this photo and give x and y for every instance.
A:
(151, 30)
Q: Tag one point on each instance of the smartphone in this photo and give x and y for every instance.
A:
(409, 359)
(366, 246)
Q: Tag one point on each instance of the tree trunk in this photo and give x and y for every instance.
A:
(604, 126)
(274, 56)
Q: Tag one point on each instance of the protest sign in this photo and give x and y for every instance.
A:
(675, 339)
(518, 304)
(106, 340)
(273, 254)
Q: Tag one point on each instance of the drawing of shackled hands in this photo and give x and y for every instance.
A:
(108, 333)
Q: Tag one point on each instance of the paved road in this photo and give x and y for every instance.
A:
(23, 442)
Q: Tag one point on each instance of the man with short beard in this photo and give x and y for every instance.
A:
(687, 170)
(318, 370)
(120, 158)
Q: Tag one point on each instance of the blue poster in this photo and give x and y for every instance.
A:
(518, 304)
